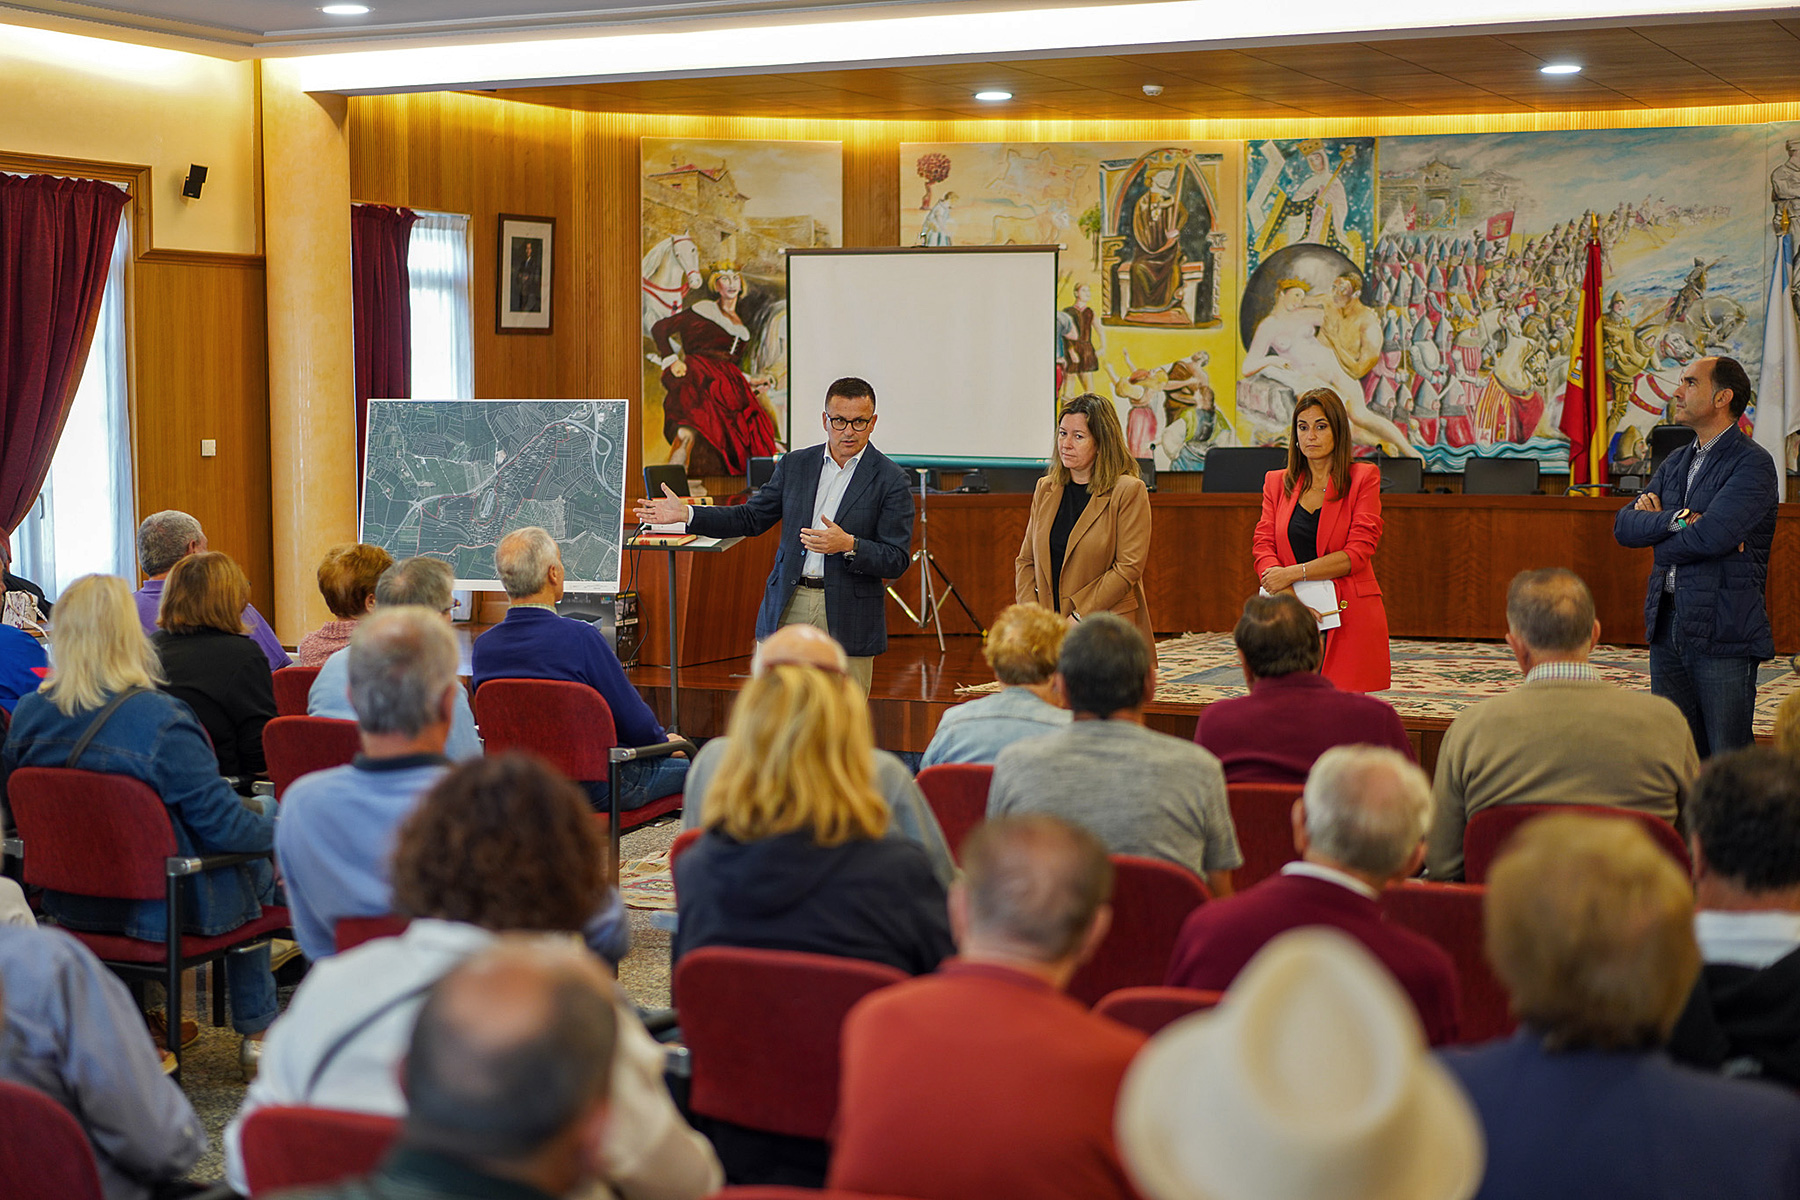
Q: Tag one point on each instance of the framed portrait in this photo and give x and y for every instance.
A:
(527, 254)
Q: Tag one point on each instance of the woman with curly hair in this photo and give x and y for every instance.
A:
(795, 854)
(500, 845)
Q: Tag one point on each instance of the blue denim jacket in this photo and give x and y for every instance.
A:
(155, 738)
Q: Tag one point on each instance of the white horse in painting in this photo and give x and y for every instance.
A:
(670, 271)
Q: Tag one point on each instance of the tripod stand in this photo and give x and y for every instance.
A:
(930, 599)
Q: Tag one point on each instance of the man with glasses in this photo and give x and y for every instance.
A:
(846, 517)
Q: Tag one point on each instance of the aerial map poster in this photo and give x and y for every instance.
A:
(450, 478)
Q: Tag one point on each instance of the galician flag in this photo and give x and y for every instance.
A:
(1584, 400)
(1778, 390)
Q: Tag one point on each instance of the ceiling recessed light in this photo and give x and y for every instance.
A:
(1561, 68)
(344, 10)
(993, 95)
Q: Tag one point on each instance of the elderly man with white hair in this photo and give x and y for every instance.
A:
(1359, 826)
(810, 646)
(164, 539)
(537, 642)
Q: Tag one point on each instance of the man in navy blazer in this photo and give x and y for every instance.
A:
(1710, 513)
(846, 517)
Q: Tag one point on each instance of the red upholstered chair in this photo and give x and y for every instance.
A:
(1450, 915)
(958, 795)
(292, 685)
(90, 834)
(1149, 1009)
(44, 1155)
(354, 931)
(1151, 899)
(570, 726)
(791, 1193)
(1262, 815)
(763, 1027)
(303, 1147)
(1488, 830)
(296, 746)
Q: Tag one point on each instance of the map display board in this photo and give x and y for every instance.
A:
(450, 478)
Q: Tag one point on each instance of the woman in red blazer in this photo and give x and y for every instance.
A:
(1321, 519)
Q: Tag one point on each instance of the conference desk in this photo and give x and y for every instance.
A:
(1444, 563)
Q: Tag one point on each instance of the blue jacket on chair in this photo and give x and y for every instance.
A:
(877, 511)
(1720, 588)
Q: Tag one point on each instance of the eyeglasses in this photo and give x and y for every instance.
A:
(842, 423)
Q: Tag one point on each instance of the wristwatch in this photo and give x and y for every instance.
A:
(1681, 519)
(850, 554)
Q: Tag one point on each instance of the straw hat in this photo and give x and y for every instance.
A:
(1311, 1081)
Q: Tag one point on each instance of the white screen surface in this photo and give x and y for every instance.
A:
(960, 346)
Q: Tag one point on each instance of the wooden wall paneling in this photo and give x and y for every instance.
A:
(201, 371)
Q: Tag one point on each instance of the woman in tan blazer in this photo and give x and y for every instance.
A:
(1089, 535)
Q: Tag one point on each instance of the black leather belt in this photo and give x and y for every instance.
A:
(807, 581)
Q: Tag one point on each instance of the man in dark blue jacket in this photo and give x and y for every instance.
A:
(846, 520)
(1710, 513)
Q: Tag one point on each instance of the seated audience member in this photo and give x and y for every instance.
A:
(1143, 792)
(164, 539)
(502, 845)
(102, 656)
(1021, 647)
(23, 665)
(810, 646)
(1565, 735)
(211, 665)
(524, 1080)
(1293, 714)
(1590, 927)
(534, 642)
(1310, 1081)
(347, 578)
(14, 583)
(425, 582)
(1359, 826)
(984, 1079)
(1743, 1017)
(68, 1029)
(795, 854)
(14, 908)
(1787, 724)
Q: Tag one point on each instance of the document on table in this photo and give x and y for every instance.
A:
(1320, 595)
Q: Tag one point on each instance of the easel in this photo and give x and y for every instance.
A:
(930, 601)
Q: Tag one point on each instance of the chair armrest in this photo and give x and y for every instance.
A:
(180, 864)
(622, 754)
(12, 847)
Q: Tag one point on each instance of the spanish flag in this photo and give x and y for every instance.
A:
(1584, 401)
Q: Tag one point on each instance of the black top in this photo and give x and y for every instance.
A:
(871, 899)
(1303, 534)
(1074, 503)
(1743, 1021)
(224, 678)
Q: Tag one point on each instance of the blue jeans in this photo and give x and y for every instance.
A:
(1717, 695)
(640, 783)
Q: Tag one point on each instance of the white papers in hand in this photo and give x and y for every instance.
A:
(1320, 595)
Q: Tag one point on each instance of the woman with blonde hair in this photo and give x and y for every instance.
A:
(104, 685)
(797, 853)
(1088, 537)
(210, 664)
(1021, 647)
(347, 578)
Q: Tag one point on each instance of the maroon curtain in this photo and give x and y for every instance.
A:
(383, 314)
(56, 241)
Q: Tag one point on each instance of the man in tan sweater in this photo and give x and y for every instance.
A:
(1564, 736)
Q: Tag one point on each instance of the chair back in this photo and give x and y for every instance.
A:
(296, 746)
(1262, 814)
(354, 931)
(1500, 477)
(958, 795)
(91, 834)
(1665, 440)
(1450, 914)
(1241, 468)
(1151, 899)
(44, 1155)
(764, 1029)
(1488, 830)
(292, 686)
(295, 1147)
(1149, 1009)
(1401, 476)
(568, 725)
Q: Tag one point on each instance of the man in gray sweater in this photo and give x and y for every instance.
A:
(1141, 792)
(1564, 736)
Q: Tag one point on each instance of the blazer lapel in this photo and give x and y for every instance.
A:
(867, 467)
(1331, 524)
(1089, 516)
(806, 487)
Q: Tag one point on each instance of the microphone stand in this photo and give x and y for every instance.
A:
(930, 600)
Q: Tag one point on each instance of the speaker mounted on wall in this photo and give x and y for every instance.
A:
(196, 179)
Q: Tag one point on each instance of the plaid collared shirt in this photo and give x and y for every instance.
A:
(1564, 670)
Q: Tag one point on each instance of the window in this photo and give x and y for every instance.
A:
(437, 268)
(83, 522)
